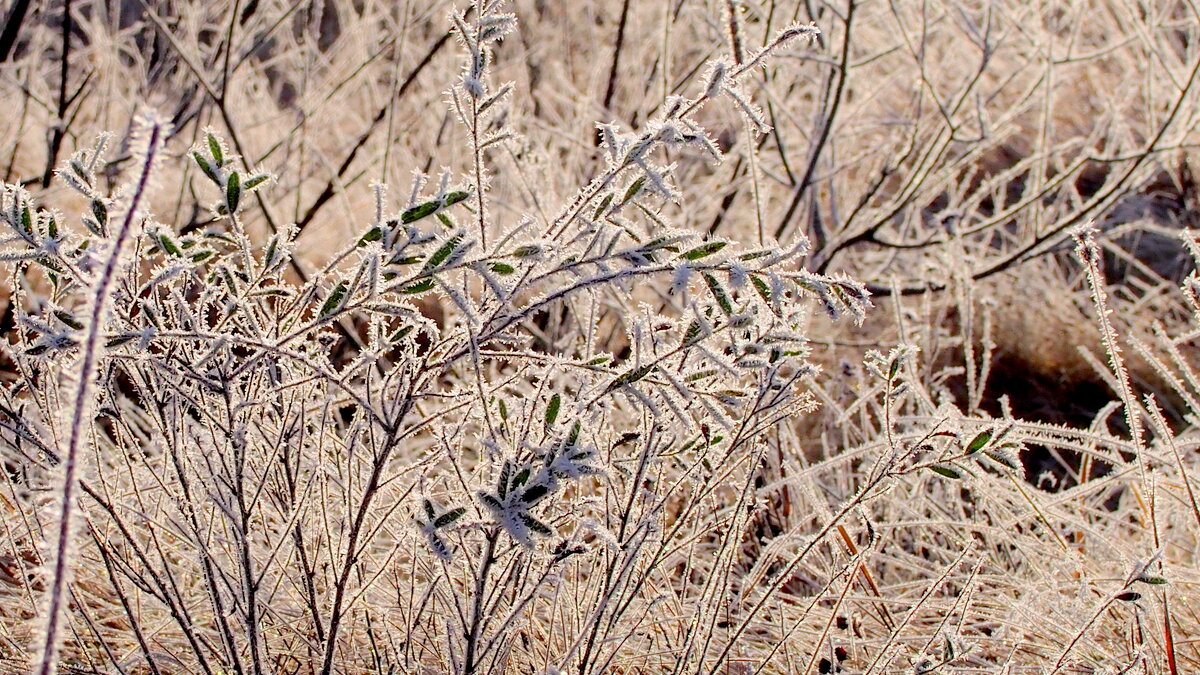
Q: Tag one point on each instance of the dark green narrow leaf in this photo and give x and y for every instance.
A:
(945, 471)
(120, 339)
(978, 442)
(535, 524)
(719, 293)
(449, 517)
(502, 268)
(439, 256)
(419, 287)
(206, 168)
(634, 188)
(334, 300)
(456, 197)
(269, 258)
(255, 181)
(373, 234)
(705, 250)
(214, 147)
(168, 245)
(505, 477)
(429, 509)
(520, 479)
(490, 501)
(233, 192)
(68, 319)
(429, 208)
(100, 211)
(604, 204)
(552, 409)
(630, 377)
(418, 212)
(534, 493)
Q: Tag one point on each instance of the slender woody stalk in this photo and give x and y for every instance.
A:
(150, 131)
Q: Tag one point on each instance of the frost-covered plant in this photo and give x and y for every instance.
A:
(520, 421)
(264, 461)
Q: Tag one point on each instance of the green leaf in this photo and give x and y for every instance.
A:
(233, 192)
(946, 471)
(552, 409)
(1152, 580)
(1008, 459)
(206, 168)
(490, 501)
(418, 212)
(505, 477)
(705, 250)
(456, 197)
(100, 211)
(272, 248)
(526, 251)
(439, 256)
(334, 300)
(68, 319)
(634, 188)
(419, 287)
(573, 438)
(79, 171)
(719, 293)
(120, 339)
(429, 509)
(429, 208)
(534, 493)
(502, 268)
(520, 479)
(27, 220)
(597, 361)
(255, 181)
(604, 204)
(978, 442)
(503, 410)
(168, 245)
(449, 517)
(373, 234)
(214, 147)
(630, 377)
(535, 524)
(693, 334)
